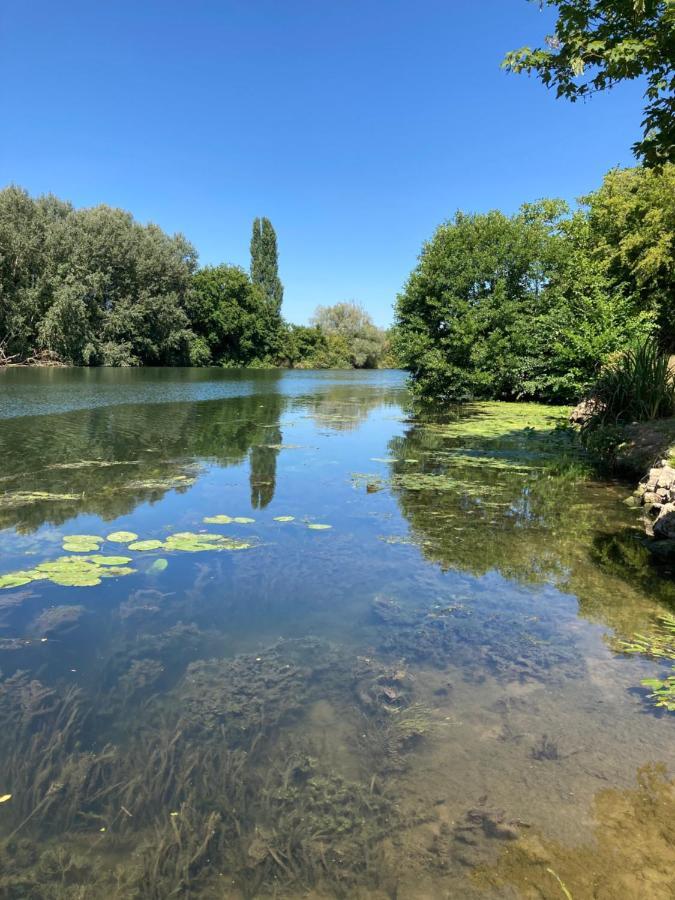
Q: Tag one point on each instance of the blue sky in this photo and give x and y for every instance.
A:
(356, 126)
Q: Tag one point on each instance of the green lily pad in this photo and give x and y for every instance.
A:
(218, 520)
(109, 560)
(158, 566)
(81, 543)
(191, 542)
(284, 518)
(16, 579)
(122, 537)
(243, 520)
(316, 526)
(145, 545)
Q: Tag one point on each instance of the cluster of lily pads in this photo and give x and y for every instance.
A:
(88, 566)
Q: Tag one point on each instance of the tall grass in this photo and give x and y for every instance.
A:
(637, 386)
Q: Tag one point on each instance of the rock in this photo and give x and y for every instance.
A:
(664, 526)
(585, 410)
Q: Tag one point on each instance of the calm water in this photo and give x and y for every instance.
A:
(396, 677)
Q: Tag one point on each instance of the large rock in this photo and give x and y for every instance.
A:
(664, 525)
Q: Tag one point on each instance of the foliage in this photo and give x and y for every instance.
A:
(632, 231)
(265, 264)
(93, 285)
(511, 307)
(352, 330)
(659, 645)
(599, 43)
(310, 347)
(636, 386)
(233, 318)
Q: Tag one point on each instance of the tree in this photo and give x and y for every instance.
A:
(511, 308)
(364, 342)
(598, 43)
(232, 316)
(265, 263)
(92, 284)
(632, 222)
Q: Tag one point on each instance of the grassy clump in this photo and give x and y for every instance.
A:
(637, 386)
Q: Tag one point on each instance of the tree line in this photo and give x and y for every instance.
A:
(532, 305)
(95, 287)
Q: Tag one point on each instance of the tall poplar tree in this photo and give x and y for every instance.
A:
(265, 262)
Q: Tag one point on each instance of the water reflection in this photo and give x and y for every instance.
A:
(376, 709)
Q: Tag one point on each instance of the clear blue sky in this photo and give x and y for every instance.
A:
(355, 125)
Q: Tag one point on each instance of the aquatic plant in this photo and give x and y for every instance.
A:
(82, 543)
(284, 518)
(659, 645)
(122, 537)
(71, 571)
(316, 526)
(196, 542)
(12, 500)
(145, 545)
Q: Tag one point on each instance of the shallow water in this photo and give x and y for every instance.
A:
(423, 699)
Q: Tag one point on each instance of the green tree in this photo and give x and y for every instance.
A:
(598, 43)
(632, 229)
(512, 307)
(265, 263)
(232, 317)
(365, 343)
(93, 285)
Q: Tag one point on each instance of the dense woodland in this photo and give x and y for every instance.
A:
(95, 287)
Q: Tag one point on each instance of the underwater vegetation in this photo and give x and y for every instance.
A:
(659, 645)
(508, 644)
(215, 778)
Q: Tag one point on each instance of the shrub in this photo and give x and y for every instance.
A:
(636, 386)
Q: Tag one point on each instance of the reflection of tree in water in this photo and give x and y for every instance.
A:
(506, 503)
(345, 407)
(107, 460)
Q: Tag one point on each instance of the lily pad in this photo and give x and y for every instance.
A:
(158, 566)
(122, 537)
(217, 520)
(243, 520)
(284, 518)
(70, 571)
(317, 526)
(81, 543)
(15, 579)
(191, 542)
(145, 545)
(110, 560)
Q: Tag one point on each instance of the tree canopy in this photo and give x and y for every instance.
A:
(531, 305)
(363, 341)
(598, 43)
